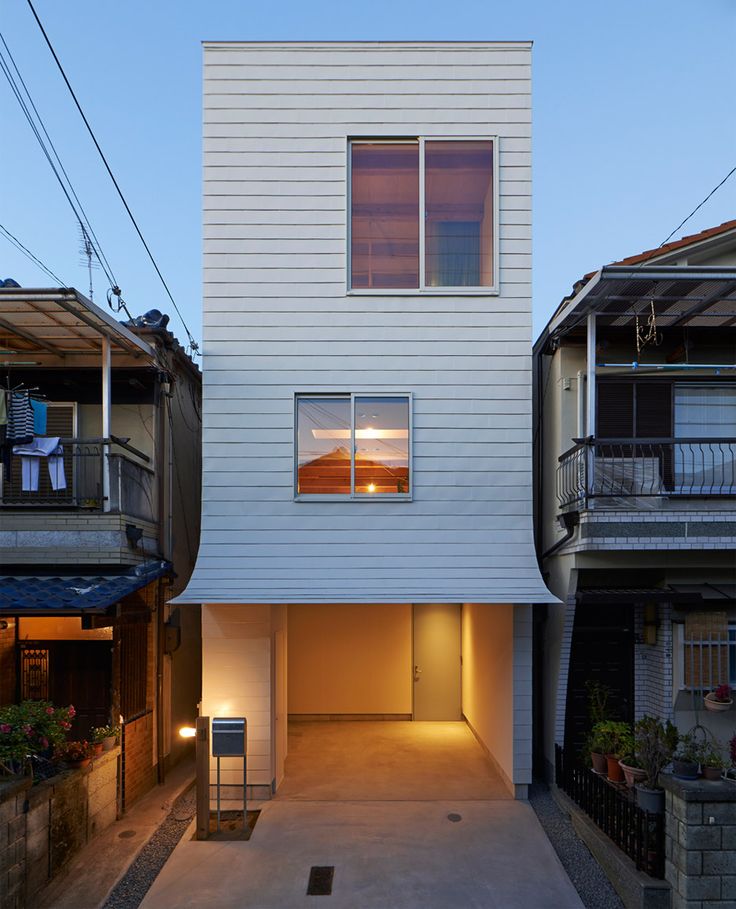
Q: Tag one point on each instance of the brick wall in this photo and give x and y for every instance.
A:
(700, 857)
(42, 827)
(7, 663)
(653, 667)
(139, 772)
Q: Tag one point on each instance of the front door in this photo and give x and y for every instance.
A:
(437, 666)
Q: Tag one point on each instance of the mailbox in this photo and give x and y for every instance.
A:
(229, 736)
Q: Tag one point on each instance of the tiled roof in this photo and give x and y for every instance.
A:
(74, 594)
(678, 244)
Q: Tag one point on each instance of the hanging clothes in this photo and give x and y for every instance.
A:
(30, 455)
(20, 418)
(3, 408)
(39, 409)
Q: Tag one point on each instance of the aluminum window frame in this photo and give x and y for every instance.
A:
(423, 290)
(354, 496)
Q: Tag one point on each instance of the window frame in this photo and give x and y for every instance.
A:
(354, 496)
(423, 290)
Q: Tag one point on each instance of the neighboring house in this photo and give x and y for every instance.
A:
(636, 488)
(367, 543)
(94, 540)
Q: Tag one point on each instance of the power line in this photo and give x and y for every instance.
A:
(67, 187)
(698, 207)
(192, 343)
(26, 252)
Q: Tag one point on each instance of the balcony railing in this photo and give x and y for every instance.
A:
(77, 482)
(628, 469)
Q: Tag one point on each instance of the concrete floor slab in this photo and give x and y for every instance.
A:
(386, 854)
(338, 761)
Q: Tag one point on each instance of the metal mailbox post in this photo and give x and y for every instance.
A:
(230, 739)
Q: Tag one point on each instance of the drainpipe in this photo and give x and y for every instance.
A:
(569, 520)
(106, 403)
(163, 542)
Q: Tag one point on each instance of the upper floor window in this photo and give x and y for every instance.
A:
(352, 445)
(422, 215)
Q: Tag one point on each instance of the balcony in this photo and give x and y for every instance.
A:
(650, 493)
(62, 516)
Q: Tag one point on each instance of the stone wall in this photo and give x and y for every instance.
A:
(42, 827)
(700, 851)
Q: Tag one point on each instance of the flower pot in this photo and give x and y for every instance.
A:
(651, 800)
(600, 765)
(77, 765)
(614, 772)
(716, 706)
(632, 775)
(97, 748)
(712, 773)
(109, 743)
(684, 770)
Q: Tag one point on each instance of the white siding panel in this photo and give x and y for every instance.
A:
(278, 321)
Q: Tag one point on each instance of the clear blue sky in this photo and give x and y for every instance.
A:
(633, 125)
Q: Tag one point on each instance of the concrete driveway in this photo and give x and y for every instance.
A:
(386, 854)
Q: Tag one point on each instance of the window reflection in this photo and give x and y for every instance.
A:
(381, 445)
(459, 214)
(323, 445)
(385, 215)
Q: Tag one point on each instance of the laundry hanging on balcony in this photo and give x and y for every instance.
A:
(40, 410)
(30, 455)
(20, 418)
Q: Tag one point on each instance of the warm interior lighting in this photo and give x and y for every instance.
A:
(371, 487)
(187, 732)
(368, 433)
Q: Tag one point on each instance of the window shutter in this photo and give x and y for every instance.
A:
(615, 410)
(654, 410)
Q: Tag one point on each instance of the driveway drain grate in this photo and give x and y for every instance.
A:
(320, 880)
(454, 818)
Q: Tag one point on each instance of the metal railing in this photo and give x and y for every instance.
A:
(636, 832)
(74, 480)
(628, 469)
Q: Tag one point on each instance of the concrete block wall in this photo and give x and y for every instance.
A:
(700, 856)
(43, 826)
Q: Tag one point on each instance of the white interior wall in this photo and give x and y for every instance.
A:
(488, 680)
(350, 658)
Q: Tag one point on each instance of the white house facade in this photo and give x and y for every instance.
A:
(367, 544)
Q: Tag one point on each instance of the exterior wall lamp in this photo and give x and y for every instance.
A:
(650, 624)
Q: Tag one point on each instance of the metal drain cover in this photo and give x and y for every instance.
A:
(454, 818)
(126, 834)
(320, 880)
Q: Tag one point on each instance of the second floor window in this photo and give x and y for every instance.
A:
(422, 214)
(353, 445)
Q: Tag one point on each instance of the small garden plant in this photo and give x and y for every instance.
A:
(654, 745)
(29, 729)
(100, 733)
(722, 694)
(73, 752)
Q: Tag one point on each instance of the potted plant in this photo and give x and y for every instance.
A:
(105, 736)
(598, 712)
(654, 744)
(596, 744)
(686, 762)
(720, 699)
(30, 729)
(713, 764)
(614, 738)
(632, 768)
(74, 754)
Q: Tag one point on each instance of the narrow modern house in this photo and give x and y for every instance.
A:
(636, 485)
(99, 521)
(367, 548)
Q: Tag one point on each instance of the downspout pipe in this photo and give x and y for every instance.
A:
(569, 520)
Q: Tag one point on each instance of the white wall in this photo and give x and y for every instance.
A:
(350, 658)
(278, 320)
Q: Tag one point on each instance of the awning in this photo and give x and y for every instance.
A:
(601, 596)
(74, 594)
(680, 296)
(708, 591)
(59, 322)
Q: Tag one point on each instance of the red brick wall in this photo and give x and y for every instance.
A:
(139, 772)
(7, 664)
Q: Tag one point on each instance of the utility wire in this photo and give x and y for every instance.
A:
(698, 207)
(192, 343)
(26, 252)
(67, 188)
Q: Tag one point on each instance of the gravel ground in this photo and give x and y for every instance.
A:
(133, 886)
(583, 870)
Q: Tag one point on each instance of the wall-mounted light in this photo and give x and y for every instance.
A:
(650, 624)
(187, 732)
(371, 487)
